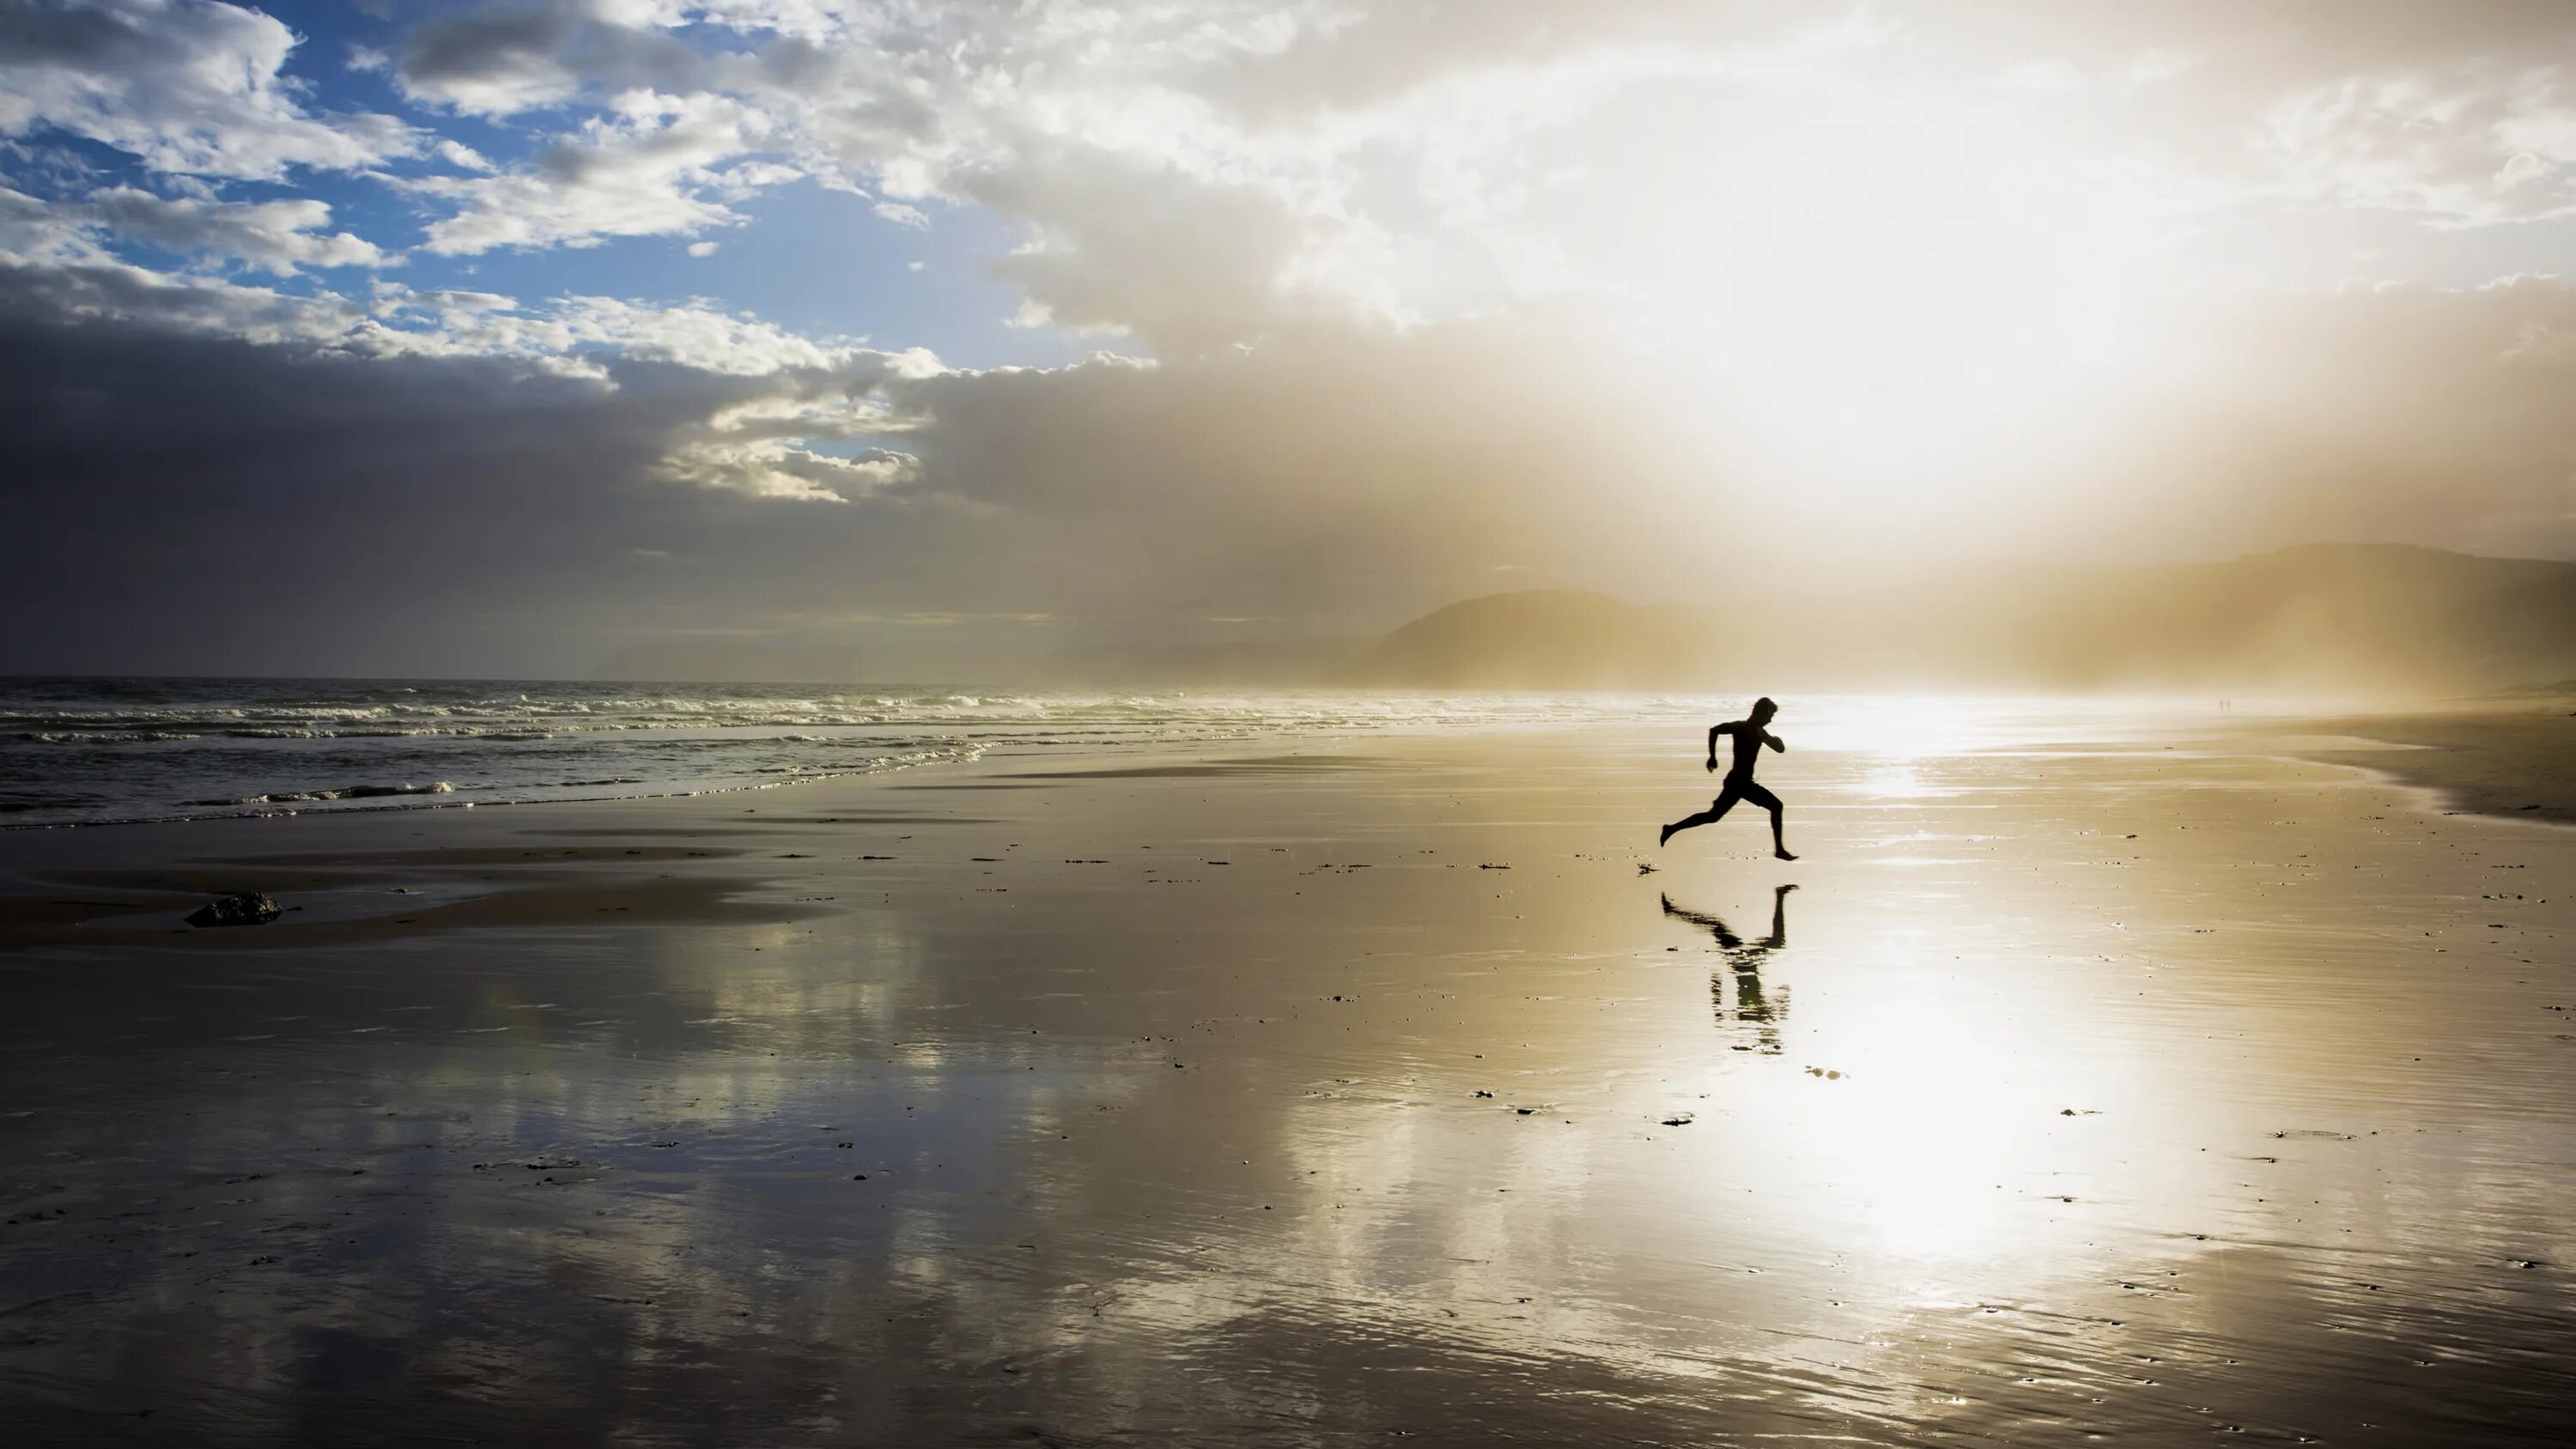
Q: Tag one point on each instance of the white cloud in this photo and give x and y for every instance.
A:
(278, 237)
(185, 85)
(2467, 149)
(461, 156)
(704, 248)
(777, 468)
(35, 232)
(649, 167)
(275, 236)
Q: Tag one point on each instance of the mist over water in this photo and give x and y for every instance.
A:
(97, 751)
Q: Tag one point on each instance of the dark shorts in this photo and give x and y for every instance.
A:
(1740, 787)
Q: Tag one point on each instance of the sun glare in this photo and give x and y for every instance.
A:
(1889, 280)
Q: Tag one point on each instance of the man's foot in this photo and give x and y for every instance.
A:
(1781, 852)
(1666, 838)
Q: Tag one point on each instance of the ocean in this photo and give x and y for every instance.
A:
(90, 751)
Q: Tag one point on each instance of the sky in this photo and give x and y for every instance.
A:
(405, 336)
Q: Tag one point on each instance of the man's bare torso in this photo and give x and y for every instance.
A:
(1748, 739)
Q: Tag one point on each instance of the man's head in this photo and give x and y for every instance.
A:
(1764, 708)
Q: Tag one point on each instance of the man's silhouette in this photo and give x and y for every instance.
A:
(1750, 734)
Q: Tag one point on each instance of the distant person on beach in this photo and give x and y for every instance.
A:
(1750, 734)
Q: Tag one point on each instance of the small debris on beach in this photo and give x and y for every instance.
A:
(241, 908)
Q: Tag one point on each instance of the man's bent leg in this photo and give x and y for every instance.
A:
(1771, 802)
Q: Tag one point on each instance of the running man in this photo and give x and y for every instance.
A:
(1751, 734)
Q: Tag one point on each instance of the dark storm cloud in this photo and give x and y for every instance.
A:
(513, 54)
(194, 501)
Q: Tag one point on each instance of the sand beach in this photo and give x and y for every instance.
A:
(2152, 1085)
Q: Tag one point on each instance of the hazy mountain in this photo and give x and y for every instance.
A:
(2333, 616)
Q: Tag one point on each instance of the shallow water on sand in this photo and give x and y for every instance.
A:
(2100, 1090)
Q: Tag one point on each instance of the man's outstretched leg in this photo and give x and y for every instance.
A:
(1715, 812)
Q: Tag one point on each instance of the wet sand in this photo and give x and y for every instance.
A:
(2148, 1092)
(2494, 758)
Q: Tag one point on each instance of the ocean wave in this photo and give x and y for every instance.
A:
(74, 737)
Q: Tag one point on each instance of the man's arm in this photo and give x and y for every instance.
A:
(1773, 741)
(1713, 732)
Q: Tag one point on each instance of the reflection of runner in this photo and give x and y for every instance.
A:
(1745, 960)
(1750, 735)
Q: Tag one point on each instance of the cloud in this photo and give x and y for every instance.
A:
(502, 58)
(768, 468)
(652, 166)
(2470, 152)
(2397, 413)
(92, 289)
(1123, 247)
(274, 236)
(141, 411)
(185, 85)
(461, 156)
(1341, 475)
